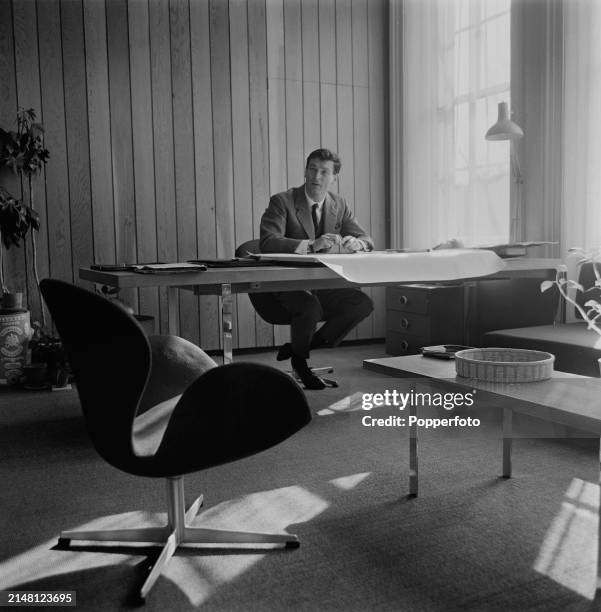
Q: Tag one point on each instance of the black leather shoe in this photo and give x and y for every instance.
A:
(285, 352)
(302, 371)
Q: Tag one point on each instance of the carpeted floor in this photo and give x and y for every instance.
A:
(470, 541)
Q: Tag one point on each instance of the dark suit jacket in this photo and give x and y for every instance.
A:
(287, 220)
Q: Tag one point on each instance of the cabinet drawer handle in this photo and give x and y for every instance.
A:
(404, 323)
(404, 345)
(403, 299)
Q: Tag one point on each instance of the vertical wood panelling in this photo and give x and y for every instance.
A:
(13, 259)
(276, 84)
(259, 136)
(245, 330)
(222, 127)
(78, 146)
(121, 136)
(143, 154)
(327, 73)
(171, 122)
(57, 178)
(29, 96)
(293, 59)
(162, 130)
(203, 160)
(183, 138)
(311, 103)
(99, 132)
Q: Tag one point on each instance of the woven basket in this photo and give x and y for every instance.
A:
(506, 365)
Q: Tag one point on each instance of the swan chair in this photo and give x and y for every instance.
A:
(224, 414)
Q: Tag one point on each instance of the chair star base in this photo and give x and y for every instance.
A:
(177, 533)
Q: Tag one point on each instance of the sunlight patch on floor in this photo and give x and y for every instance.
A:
(350, 482)
(350, 403)
(197, 576)
(568, 554)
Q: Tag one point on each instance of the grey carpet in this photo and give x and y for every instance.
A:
(470, 541)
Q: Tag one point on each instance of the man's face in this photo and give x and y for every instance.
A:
(319, 176)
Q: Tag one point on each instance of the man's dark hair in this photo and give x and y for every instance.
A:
(325, 155)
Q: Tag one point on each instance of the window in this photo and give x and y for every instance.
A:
(456, 70)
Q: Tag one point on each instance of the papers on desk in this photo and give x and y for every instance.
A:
(385, 267)
(169, 268)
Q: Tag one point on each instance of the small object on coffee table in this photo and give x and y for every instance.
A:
(504, 365)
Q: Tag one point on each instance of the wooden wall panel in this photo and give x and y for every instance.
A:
(276, 85)
(311, 98)
(58, 223)
(13, 260)
(259, 137)
(171, 122)
(142, 145)
(203, 160)
(78, 145)
(243, 213)
(183, 139)
(27, 65)
(162, 131)
(103, 214)
(121, 136)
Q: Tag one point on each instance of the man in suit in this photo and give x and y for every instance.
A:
(311, 219)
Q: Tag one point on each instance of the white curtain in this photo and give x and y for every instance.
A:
(581, 218)
(456, 68)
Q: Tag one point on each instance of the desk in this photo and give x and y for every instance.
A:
(224, 282)
(567, 399)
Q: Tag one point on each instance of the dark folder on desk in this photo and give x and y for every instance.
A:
(236, 262)
(173, 268)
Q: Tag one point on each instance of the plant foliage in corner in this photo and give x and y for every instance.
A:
(16, 219)
(23, 151)
(591, 309)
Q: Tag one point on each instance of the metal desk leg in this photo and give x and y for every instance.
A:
(413, 471)
(507, 441)
(171, 311)
(226, 321)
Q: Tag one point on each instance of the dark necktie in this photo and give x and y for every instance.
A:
(314, 208)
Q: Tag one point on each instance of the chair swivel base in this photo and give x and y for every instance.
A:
(177, 533)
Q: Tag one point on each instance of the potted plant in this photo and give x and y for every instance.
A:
(23, 152)
(16, 219)
(590, 311)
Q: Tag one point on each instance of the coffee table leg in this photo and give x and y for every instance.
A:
(507, 441)
(413, 471)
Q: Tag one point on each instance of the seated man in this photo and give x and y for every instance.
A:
(311, 219)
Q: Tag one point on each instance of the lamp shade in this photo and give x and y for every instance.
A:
(504, 128)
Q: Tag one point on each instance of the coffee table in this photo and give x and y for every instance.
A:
(566, 399)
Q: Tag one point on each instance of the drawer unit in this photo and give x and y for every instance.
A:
(423, 315)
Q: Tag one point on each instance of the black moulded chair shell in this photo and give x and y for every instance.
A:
(227, 413)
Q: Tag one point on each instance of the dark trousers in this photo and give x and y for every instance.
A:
(341, 309)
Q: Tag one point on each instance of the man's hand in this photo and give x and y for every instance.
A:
(352, 244)
(453, 243)
(325, 242)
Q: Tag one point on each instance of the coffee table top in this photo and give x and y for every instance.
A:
(568, 399)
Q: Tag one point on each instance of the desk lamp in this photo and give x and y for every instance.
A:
(506, 129)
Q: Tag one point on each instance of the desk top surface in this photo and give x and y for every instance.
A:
(566, 398)
(275, 273)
